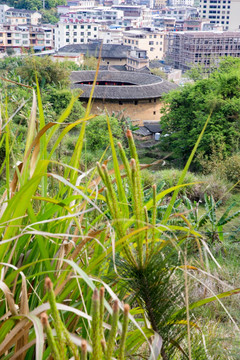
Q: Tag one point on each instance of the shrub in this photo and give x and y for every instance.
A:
(211, 185)
(171, 177)
(232, 166)
(148, 179)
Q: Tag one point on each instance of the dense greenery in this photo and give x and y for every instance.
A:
(187, 109)
(107, 225)
(34, 4)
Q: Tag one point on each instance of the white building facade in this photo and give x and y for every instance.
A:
(3, 9)
(74, 33)
(222, 12)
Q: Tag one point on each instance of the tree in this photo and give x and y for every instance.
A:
(49, 16)
(187, 109)
(35, 4)
(97, 132)
(48, 72)
(158, 72)
(60, 99)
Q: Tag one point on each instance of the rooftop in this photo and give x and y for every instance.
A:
(13, 10)
(114, 51)
(121, 85)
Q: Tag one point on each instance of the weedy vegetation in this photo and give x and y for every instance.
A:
(93, 266)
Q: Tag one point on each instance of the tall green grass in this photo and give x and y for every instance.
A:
(84, 230)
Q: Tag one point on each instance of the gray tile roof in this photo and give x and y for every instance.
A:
(153, 127)
(143, 131)
(110, 51)
(25, 11)
(136, 86)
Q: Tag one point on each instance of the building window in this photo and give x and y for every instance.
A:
(154, 113)
(135, 102)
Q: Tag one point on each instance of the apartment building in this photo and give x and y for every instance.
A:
(160, 3)
(186, 49)
(99, 14)
(134, 15)
(110, 36)
(137, 59)
(3, 9)
(222, 12)
(73, 6)
(22, 17)
(28, 37)
(151, 41)
(75, 33)
(179, 13)
(181, 2)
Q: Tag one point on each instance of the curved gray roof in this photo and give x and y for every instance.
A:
(141, 85)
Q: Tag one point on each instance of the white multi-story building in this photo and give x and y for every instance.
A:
(74, 6)
(181, 2)
(24, 36)
(74, 33)
(222, 12)
(151, 41)
(110, 36)
(3, 9)
(22, 17)
(134, 15)
(101, 14)
(179, 13)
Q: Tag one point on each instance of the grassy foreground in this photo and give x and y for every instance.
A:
(91, 229)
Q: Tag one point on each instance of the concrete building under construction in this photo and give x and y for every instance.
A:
(185, 49)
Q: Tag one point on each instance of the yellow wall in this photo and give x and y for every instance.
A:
(139, 113)
(153, 43)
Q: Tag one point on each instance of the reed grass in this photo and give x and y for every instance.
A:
(79, 229)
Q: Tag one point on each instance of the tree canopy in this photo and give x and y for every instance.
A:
(187, 109)
(34, 4)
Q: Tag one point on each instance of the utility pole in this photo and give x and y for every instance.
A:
(43, 4)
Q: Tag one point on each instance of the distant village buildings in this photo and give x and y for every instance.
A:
(224, 12)
(186, 49)
(178, 33)
(152, 41)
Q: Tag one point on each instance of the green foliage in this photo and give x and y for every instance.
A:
(158, 72)
(90, 63)
(35, 4)
(214, 229)
(63, 343)
(60, 99)
(47, 71)
(186, 111)
(49, 16)
(60, 221)
(97, 136)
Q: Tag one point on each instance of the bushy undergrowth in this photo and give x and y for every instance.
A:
(200, 184)
(91, 228)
